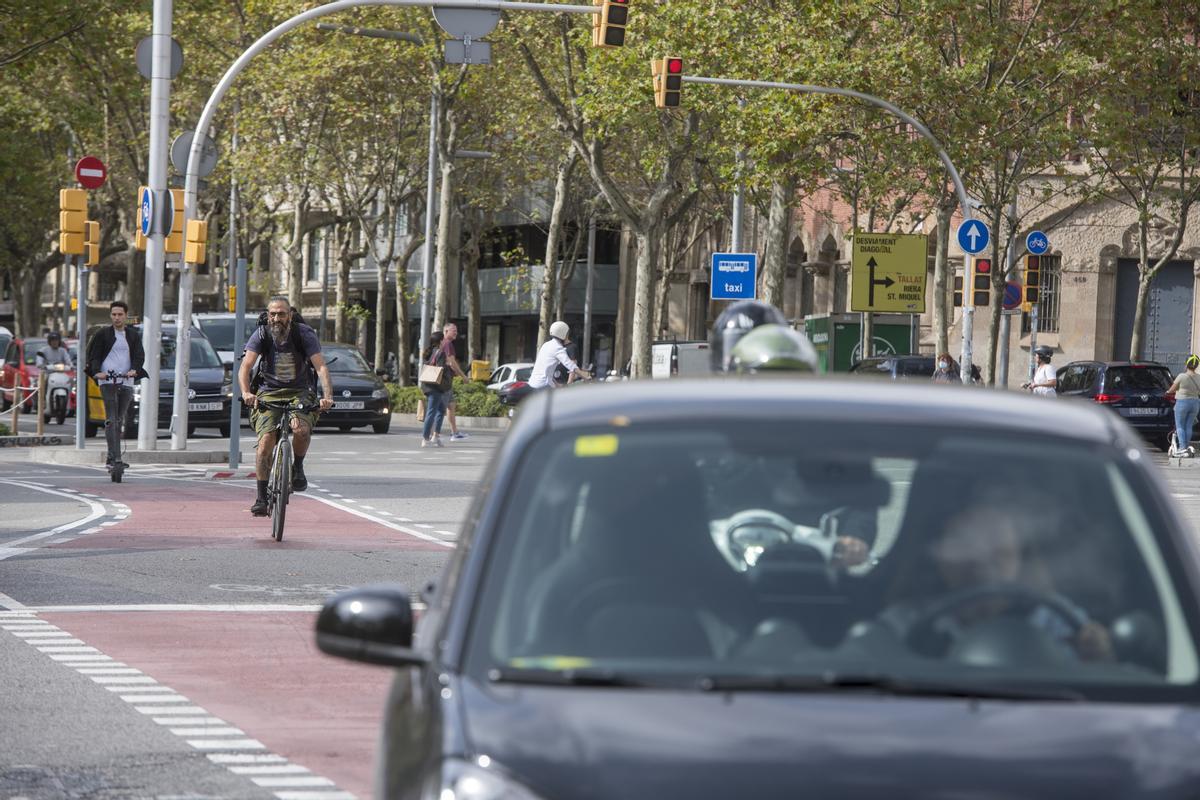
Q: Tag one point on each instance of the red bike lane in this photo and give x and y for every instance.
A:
(260, 670)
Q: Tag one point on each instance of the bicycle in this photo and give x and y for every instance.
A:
(279, 482)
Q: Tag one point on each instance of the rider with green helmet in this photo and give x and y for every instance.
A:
(774, 347)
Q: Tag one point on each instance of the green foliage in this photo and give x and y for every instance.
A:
(473, 399)
(5, 430)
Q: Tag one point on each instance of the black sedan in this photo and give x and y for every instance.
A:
(359, 394)
(767, 589)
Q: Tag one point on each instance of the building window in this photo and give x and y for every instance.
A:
(1048, 303)
(316, 251)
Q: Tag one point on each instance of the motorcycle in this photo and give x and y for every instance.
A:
(59, 384)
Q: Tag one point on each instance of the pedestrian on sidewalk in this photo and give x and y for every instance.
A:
(1186, 389)
(450, 334)
(946, 370)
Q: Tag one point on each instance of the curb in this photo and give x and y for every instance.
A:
(33, 440)
(476, 423)
(95, 456)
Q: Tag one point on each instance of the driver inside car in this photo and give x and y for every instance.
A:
(981, 548)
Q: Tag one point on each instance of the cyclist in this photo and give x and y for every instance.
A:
(1045, 382)
(114, 356)
(291, 354)
(735, 322)
(54, 352)
(553, 353)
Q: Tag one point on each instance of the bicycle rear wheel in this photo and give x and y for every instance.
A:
(281, 488)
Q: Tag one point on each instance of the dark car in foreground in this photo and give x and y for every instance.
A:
(773, 588)
(360, 396)
(1135, 390)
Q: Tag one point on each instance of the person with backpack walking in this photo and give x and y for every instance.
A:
(291, 364)
(1186, 389)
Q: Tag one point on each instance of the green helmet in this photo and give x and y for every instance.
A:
(773, 347)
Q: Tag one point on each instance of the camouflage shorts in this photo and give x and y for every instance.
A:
(265, 420)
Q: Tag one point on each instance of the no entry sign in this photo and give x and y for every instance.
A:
(90, 172)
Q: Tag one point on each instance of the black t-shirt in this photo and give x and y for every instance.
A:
(284, 367)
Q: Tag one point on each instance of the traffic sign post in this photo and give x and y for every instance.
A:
(734, 276)
(90, 172)
(887, 272)
(147, 211)
(973, 236)
(1012, 296)
(1037, 243)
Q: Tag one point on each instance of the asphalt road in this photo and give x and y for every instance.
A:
(156, 642)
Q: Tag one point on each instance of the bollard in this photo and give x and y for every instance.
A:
(41, 403)
(18, 398)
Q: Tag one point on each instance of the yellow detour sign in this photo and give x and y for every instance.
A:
(888, 272)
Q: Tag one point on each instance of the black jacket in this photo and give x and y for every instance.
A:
(102, 343)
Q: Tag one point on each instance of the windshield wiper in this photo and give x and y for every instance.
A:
(885, 684)
(564, 677)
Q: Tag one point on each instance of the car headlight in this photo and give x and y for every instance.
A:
(227, 390)
(379, 394)
(477, 780)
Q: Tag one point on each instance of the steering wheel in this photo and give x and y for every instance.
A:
(1022, 599)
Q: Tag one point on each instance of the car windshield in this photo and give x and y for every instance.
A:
(1137, 379)
(916, 367)
(219, 331)
(877, 549)
(523, 374)
(348, 359)
(877, 367)
(202, 355)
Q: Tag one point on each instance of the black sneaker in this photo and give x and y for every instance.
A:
(259, 509)
(299, 482)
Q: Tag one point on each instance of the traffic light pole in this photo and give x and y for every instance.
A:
(239, 341)
(964, 204)
(81, 404)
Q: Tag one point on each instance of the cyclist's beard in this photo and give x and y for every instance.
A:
(279, 331)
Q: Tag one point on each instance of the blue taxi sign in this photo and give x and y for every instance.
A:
(1037, 243)
(147, 207)
(973, 236)
(733, 276)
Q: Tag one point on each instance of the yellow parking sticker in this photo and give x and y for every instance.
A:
(604, 444)
(550, 662)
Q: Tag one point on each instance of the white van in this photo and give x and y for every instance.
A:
(679, 359)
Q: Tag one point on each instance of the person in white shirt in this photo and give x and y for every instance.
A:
(1045, 380)
(553, 353)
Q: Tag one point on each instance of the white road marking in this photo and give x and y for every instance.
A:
(125, 680)
(77, 658)
(152, 710)
(96, 511)
(226, 744)
(244, 758)
(190, 721)
(108, 671)
(64, 650)
(314, 794)
(292, 782)
(205, 731)
(151, 698)
(270, 769)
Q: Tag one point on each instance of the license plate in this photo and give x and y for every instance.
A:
(1140, 412)
(205, 406)
(351, 405)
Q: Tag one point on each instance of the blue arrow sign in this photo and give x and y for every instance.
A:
(147, 210)
(973, 236)
(733, 276)
(1037, 243)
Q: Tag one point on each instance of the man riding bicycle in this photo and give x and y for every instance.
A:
(54, 353)
(291, 354)
(552, 354)
(115, 358)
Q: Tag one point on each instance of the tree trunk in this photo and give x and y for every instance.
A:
(341, 330)
(995, 299)
(778, 228)
(403, 346)
(943, 311)
(643, 301)
(441, 306)
(562, 183)
(1139, 314)
(135, 279)
(26, 305)
(294, 254)
(381, 287)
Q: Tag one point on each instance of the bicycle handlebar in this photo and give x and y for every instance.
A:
(286, 406)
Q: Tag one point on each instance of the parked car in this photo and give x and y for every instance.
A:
(896, 367)
(360, 396)
(209, 390)
(506, 374)
(652, 597)
(1136, 390)
(218, 326)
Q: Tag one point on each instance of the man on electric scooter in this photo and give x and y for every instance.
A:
(115, 358)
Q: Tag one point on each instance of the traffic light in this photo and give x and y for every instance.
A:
(981, 282)
(72, 214)
(93, 244)
(958, 281)
(173, 243)
(197, 241)
(232, 301)
(608, 27)
(668, 81)
(1033, 281)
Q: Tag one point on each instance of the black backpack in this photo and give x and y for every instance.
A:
(256, 373)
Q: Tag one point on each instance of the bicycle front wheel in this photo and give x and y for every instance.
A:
(282, 488)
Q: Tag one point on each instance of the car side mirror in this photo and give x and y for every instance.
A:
(373, 624)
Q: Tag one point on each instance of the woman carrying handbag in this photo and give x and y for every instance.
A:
(438, 366)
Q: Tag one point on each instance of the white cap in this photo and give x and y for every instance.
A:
(560, 330)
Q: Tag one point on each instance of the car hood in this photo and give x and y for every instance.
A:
(205, 377)
(355, 380)
(590, 743)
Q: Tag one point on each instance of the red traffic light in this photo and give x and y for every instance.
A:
(674, 66)
(983, 265)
